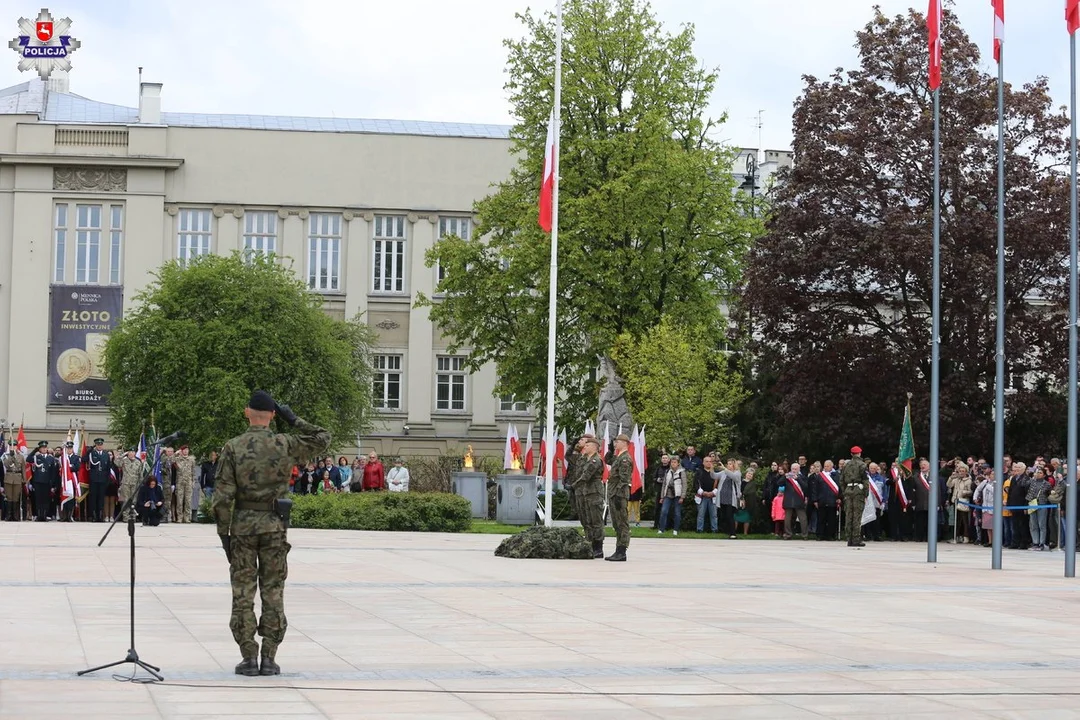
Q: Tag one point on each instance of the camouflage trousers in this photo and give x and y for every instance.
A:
(259, 561)
(620, 519)
(854, 502)
(183, 500)
(127, 489)
(590, 510)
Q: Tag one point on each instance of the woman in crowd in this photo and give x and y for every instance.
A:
(112, 489)
(960, 484)
(358, 473)
(1038, 493)
(398, 477)
(672, 491)
(742, 515)
(345, 472)
(151, 503)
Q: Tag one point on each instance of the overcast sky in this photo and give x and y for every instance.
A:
(444, 59)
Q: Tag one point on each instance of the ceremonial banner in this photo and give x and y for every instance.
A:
(80, 319)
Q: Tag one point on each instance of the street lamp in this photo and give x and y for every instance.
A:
(750, 183)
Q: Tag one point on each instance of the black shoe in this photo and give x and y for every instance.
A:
(858, 544)
(598, 550)
(248, 667)
(618, 556)
(268, 666)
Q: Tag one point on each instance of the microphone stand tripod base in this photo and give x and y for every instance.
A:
(132, 657)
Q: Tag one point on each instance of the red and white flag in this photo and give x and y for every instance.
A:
(933, 25)
(513, 447)
(69, 484)
(547, 185)
(999, 27)
(560, 455)
(604, 450)
(530, 460)
(1072, 15)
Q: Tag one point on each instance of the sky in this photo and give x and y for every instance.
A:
(443, 60)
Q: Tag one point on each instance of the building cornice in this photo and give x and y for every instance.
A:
(124, 161)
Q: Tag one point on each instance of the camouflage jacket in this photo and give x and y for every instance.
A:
(622, 472)
(256, 467)
(14, 466)
(185, 469)
(589, 475)
(132, 470)
(853, 474)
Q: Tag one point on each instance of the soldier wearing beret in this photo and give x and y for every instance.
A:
(589, 493)
(253, 476)
(855, 484)
(619, 479)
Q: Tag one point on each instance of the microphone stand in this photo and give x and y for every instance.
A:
(129, 507)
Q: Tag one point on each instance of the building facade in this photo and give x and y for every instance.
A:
(94, 197)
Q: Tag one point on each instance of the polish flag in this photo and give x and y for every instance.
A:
(933, 25)
(560, 455)
(635, 458)
(604, 449)
(69, 488)
(547, 185)
(1072, 15)
(530, 461)
(999, 27)
(513, 447)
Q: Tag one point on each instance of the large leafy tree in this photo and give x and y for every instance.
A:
(685, 393)
(203, 337)
(649, 226)
(840, 288)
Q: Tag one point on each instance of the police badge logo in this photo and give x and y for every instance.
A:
(45, 44)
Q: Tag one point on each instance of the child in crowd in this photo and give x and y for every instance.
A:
(778, 512)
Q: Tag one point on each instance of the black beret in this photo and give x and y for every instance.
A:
(262, 401)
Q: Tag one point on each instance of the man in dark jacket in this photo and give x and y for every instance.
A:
(1018, 487)
(825, 496)
(796, 494)
(922, 508)
(98, 467)
(209, 472)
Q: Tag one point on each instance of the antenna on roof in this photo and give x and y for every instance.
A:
(140, 82)
(760, 124)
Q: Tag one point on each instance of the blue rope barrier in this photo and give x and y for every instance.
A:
(1007, 507)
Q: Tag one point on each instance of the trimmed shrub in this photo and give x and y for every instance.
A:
(402, 512)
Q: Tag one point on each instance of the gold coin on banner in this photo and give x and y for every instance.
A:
(74, 366)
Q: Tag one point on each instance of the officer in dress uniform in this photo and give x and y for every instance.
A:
(97, 463)
(44, 479)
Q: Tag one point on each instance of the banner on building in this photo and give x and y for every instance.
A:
(80, 319)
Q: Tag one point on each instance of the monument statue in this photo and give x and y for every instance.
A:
(613, 408)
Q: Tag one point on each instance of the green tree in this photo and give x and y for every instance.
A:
(649, 221)
(680, 387)
(203, 337)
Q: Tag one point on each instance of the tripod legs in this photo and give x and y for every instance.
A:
(132, 657)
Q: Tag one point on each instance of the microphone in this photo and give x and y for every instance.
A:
(178, 435)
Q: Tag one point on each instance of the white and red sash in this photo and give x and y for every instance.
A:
(874, 491)
(830, 482)
(923, 480)
(900, 492)
(794, 483)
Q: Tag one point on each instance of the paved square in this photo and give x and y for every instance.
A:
(434, 626)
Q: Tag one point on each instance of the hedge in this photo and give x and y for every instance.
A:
(403, 512)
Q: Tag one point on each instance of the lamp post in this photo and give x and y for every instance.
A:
(750, 183)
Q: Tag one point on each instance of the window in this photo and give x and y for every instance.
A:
(452, 226)
(87, 244)
(116, 237)
(386, 383)
(194, 234)
(260, 232)
(324, 252)
(508, 404)
(61, 242)
(88, 262)
(450, 383)
(388, 268)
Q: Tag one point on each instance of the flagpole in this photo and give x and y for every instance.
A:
(935, 342)
(1070, 476)
(553, 279)
(999, 382)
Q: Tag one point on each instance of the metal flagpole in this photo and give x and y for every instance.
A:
(935, 342)
(1070, 476)
(553, 278)
(999, 382)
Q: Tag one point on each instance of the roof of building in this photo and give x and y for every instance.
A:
(33, 98)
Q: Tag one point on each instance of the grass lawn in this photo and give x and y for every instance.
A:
(490, 527)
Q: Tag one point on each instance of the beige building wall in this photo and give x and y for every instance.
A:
(160, 174)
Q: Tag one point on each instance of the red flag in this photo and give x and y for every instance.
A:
(84, 463)
(529, 455)
(1072, 15)
(933, 25)
(999, 27)
(20, 440)
(635, 458)
(560, 455)
(547, 186)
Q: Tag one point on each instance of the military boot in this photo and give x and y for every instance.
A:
(248, 666)
(619, 555)
(267, 666)
(598, 549)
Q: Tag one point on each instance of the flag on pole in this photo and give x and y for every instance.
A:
(530, 461)
(1072, 15)
(141, 452)
(635, 458)
(547, 184)
(933, 25)
(604, 449)
(20, 441)
(508, 449)
(590, 428)
(84, 462)
(906, 453)
(999, 27)
(69, 485)
(560, 454)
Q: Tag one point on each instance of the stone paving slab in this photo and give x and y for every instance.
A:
(400, 625)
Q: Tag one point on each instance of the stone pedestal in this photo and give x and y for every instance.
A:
(473, 487)
(516, 499)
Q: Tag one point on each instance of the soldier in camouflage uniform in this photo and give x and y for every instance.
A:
(622, 471)
(589, 491)
(132, 472)
(185, 483)
(853, 482)
(571, 471)
(14, 480)
(253, 473)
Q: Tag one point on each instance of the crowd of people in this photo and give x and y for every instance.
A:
(801, 499)
(32, 485)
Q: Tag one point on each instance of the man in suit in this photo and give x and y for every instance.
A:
(922, 507)
(825, 497)
(796, 495)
